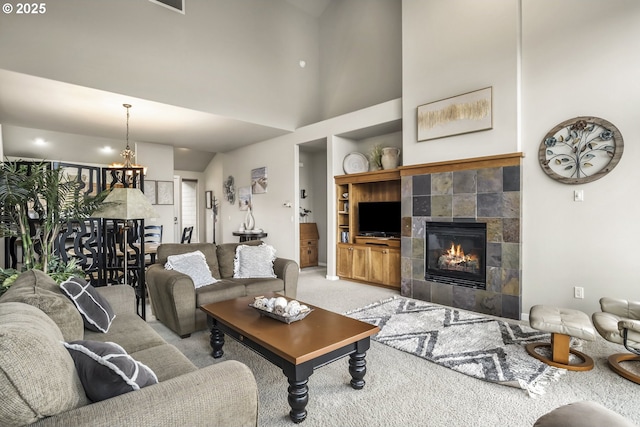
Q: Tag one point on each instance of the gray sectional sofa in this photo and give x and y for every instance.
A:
(175, 301)
(39, 383)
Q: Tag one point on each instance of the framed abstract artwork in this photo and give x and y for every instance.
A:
(259, 180)
(149, 191)
(469, 112)
(164, 191)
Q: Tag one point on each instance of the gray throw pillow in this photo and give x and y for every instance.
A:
(106, 370)
(96, 312)
(254, 261)
(194, 265)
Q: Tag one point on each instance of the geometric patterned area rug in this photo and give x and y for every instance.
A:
(470, 343)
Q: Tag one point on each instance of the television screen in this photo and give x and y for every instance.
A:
(379, 219)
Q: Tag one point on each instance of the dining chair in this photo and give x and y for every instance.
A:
(153, 234)
(186, 235)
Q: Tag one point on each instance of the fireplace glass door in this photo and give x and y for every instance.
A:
(456, 253)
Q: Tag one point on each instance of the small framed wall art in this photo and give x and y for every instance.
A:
(208, 199)
(259, 180)
(469, 112)
(164, 191)
(244, 197)
(149, 191)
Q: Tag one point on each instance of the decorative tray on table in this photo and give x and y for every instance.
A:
(287, 311)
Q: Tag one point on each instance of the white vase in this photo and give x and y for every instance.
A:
(390, 157)
(249, 222)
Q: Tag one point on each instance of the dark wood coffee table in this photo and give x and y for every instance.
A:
(297, 348)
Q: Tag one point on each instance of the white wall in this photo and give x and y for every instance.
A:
(159, 160)
(450, 48)
(280, 156)
(270, 215)
(569, 73)
(575, 60)
(361, 59)
(307, 183)
(213, 177)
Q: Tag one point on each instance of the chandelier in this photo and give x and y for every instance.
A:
(127, 154)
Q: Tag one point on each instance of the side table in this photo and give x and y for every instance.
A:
(245, 236)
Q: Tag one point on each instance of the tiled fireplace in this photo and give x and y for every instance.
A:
(485, 193)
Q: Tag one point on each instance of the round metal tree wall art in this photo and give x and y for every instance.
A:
(581, 150)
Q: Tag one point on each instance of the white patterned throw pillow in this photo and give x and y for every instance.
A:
(254, 261)
(194, 265)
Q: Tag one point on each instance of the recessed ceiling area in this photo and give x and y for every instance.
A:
(37, 104)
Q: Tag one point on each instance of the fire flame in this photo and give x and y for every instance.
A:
(456, 251)
(456, 255)
(455, 259)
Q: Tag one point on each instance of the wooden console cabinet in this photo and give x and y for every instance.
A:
(308, 244)
(366, 259)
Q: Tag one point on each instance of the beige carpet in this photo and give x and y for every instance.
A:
(404, 390)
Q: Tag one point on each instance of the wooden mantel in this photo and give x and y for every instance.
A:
(500, 160)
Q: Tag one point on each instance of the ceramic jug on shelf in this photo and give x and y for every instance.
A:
(390, 157)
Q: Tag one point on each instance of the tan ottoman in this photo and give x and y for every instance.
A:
(583, 414)
(562, 323)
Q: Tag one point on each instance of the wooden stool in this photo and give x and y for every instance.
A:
(562, 323)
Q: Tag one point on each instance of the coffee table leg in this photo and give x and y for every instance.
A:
(298, 399)
(357, 369)
(216, 341)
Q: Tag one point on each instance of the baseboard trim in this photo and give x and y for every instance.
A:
(328, 277)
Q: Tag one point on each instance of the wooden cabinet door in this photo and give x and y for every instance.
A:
(393, 271)
(345, 257)
(384, 266)
(379, 265)
(312, 251)
(308, 253)
(360, 263)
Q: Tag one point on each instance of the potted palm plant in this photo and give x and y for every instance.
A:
(36, 201)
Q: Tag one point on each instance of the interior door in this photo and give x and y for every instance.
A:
(189, 202)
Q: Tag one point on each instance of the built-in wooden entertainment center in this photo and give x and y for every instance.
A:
(369, 259)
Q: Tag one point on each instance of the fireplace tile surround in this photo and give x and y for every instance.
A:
(488, 192)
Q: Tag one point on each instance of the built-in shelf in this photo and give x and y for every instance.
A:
(366, 259)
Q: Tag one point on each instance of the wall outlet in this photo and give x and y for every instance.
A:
(578, 292)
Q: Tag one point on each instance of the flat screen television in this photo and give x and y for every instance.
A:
(380, 219)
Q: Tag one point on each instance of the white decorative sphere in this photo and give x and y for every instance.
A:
(280, 302)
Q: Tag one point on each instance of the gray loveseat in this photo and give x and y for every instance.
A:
(175, 300)
(39, 383)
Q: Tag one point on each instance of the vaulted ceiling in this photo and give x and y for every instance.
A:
(221, 76)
